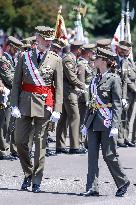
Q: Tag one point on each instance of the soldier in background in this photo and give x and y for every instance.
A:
(7, 68)
(70, 110)
(37, 96)
(85, 73)
(127, 71)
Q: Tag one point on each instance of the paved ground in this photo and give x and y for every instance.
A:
(64, 178)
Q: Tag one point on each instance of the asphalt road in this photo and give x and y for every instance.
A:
(64, 178)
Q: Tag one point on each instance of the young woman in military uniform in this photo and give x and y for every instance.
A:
(102, 122)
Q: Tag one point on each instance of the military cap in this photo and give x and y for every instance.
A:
(46, 32)
(89, 47)
(15, 42)
(58, 43)
(30, 40)
(76, 44)
(125, 45)
(104, 53)
(27, 42)
(103, 43)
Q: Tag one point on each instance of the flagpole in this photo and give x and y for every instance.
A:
(123, 3)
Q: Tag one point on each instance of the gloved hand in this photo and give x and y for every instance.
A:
(124, 103)
(15, 112)
(6, 91)
(86, 86)
(55, 116)
(84, 131)
(113, 132)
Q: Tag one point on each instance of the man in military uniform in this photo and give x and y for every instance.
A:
(6, 76)
(37, 95)
(102, 122)
(127, 71)
(85, 73)
(70, 110)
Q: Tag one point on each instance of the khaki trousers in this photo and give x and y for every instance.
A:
(110, 156)
(22, 133)
(70, 114)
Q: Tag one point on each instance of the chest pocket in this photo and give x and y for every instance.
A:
(47, 71)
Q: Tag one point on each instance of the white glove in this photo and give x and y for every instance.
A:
(15, 112)
(86, 86)
(113, 132)
(55, 116)
(6, 91)
(84, 131)
(124, 103)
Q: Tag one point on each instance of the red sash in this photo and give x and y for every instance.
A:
(42, 90)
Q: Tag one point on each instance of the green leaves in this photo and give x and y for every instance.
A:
(102, 16)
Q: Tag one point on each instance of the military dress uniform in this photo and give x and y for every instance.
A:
(70, 110)
(131, 99)
(37, 89)
(126, 69)
(6, 78)
(103, 115)
(84, 73)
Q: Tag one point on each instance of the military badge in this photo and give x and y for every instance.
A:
(69, 65)
(105, 94)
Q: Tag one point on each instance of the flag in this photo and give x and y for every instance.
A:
(116, 39)
(79, 34)
(60, 29)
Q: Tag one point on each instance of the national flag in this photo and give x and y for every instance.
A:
(60, 30)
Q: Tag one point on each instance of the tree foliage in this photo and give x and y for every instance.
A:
(102, 16)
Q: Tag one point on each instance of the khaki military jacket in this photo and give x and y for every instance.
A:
(50, 71)
(6, 67)
(84, 74)
(131, 77)
(127, 73)
(109, 92)
(71, 80)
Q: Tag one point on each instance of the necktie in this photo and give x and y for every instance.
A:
(13, 61)
(99, 77)
(39, 57)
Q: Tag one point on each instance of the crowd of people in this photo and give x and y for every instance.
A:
(83, 89)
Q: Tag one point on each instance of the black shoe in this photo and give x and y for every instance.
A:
(78, 151)
(26, 182)
(50, 140)
(129, 144)
(121, 191)
(14, 155)
(89, 193)
(30, 155)
(50, 153)
(7, 157)
(36, 188)
(122, 145)
(62, 151)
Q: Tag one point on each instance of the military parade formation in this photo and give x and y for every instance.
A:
(85, 91)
